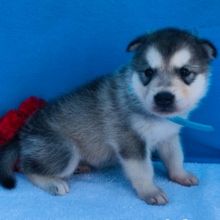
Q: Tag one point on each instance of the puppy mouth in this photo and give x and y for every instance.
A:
(165, 111)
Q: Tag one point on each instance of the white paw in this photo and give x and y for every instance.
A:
(155, 197)
(58, 187)
(185, 179)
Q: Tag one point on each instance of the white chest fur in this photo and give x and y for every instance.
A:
(154, 131)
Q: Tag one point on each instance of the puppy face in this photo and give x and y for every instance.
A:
(170, 70)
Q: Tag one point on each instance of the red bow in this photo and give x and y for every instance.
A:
(13, 120)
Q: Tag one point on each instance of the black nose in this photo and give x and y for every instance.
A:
(164, 99)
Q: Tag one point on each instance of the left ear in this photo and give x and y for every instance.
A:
(209, 48)
(136, 43)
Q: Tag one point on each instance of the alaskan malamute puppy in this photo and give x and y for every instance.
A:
(120, 117)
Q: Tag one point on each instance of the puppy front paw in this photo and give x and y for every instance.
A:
(185, 179)
(155, 197)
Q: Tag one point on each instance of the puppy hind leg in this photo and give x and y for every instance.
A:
(52, 185)
(55, 184)
(48, 164)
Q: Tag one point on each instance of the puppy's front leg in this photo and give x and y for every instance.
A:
(139, 170)
(170, 152)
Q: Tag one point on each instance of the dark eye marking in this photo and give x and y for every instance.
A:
(186, 75)
(148, 75)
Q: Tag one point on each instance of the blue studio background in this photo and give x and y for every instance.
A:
(48, 47)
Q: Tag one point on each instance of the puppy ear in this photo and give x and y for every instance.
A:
(210, 49)
(136, 43)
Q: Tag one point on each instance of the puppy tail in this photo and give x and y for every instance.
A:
(8, 157)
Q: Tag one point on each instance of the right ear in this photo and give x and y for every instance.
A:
(209, 48)
(136, 43)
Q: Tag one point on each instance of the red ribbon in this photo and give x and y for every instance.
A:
(13, 120)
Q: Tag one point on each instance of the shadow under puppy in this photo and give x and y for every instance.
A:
(120, 117)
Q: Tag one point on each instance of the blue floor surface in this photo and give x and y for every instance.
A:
(107, 195)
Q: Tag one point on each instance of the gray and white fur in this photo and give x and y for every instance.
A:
(119, 118)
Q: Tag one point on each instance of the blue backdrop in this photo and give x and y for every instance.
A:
(47, 47)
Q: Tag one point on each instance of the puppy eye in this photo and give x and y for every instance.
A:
(184, 72)
(186, 75)
(149, 73)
